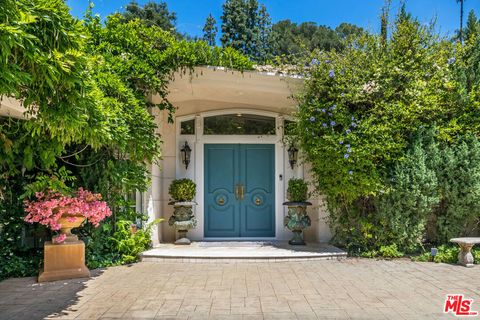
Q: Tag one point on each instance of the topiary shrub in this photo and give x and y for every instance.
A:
(182, 190)
(297, 190)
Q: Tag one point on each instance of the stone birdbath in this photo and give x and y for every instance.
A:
(465, 257)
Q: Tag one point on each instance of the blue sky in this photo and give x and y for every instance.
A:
(365, 13)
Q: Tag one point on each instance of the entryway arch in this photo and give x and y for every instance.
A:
(262, 128)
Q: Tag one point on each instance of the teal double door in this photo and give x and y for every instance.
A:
(239, 190)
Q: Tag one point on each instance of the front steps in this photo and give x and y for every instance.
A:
(242, 251)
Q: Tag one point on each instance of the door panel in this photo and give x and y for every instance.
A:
(228, 214)
(257, 168)
(222, 217)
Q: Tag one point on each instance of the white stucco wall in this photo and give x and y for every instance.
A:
(223, 92)
(170, 167)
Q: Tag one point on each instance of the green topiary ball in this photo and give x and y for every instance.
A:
(297, 190)
(182, 190)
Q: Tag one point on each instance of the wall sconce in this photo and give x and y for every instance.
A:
(292, 155)
(186, 151)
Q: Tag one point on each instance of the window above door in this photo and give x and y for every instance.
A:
(239, 124)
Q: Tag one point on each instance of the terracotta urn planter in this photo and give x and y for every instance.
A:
(67, 224)
(64, 256)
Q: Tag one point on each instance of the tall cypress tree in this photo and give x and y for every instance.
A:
(460, 32)
(473, 26)
(263, 39)
(210, 30)
(384, 22)
(246, 26)
(234, 25)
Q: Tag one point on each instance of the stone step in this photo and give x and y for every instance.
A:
(244, 251)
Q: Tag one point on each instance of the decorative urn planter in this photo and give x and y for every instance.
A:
(297, 218)
(67, 224)
(64, 256)
(183, 219)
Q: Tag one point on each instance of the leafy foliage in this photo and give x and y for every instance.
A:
(297, 190)
(458, 174)
(411, 191)
(85, 84)
(292, 41)
(445, 254)
(361, 125)
(130, 242)
(182, 190)
(152, 14)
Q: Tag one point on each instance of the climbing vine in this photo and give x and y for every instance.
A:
(85, 84)
(360, 113)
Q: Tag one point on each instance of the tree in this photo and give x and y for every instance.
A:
(384, 22)
(234, 25)
(152, 13)
(246, 26)
(210, 30)
(347, 30)
(473, 25)
(299, 40)
(263, 37)
(460, 32)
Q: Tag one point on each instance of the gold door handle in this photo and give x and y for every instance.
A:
(221, 201)
(239, 191)
(258, 201)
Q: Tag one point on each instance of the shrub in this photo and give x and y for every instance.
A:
(182, 190)
(445, 254)
(458, 173)
(410, 193)
(390, 251)
(130, 243)
(297, 190)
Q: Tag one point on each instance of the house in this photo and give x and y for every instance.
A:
(233, 122)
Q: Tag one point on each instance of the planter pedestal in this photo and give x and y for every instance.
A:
(64, 261)
(182, 237)
(297, 239)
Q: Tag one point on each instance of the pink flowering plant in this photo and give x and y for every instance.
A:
(50, 206)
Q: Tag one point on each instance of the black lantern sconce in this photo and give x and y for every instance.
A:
(186, 151)
(292, 155)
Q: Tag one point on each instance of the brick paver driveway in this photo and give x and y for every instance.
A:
(348, 289)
